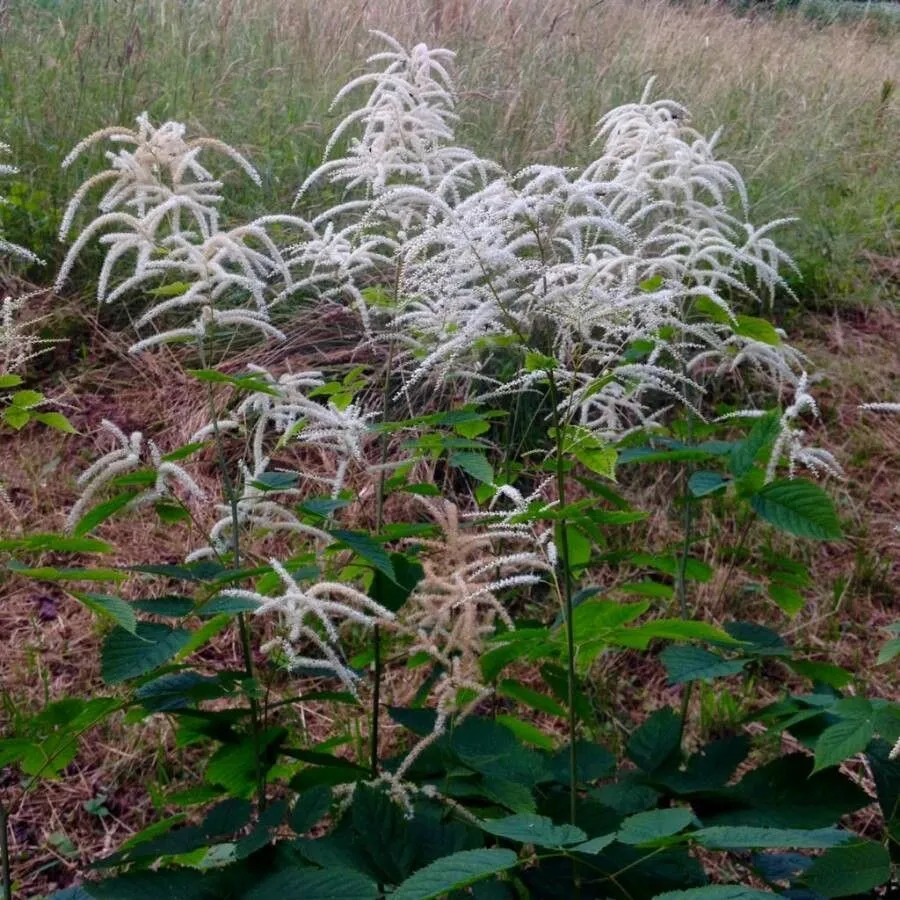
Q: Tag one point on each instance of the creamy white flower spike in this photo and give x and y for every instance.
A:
(130, 453)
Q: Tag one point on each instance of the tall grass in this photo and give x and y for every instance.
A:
(810, 113)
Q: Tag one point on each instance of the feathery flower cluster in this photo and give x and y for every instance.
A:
(790, 439)
(455, 607)
(7, 247)
(314, 615)
(159, 224)
(406, 125)
(131, 453)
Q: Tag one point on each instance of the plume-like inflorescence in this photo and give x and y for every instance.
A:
(406, 127)
(7, 247)
(311, 618)
(130, 453)
(159, 224)
(162, 170)
(456, 606)
(790, 441)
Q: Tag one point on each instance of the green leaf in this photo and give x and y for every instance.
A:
(657, 741)
(798, 507)
(762, 435)
(654, 825)
(717, 892)
(475, 464)
(757, 329)
(702, 484)
(114, 608)
(100, 513)
(392, 593)
(888, 651)
(749, 837)
(16, 417)
(56, 543)
(367, 549)
(602, 460)
(843, 740)
(685, 664)
(276, 481)
(310, 807)
(252, 382)
(27, 399)
(236, 767)
(454, 872)
(517, 691)
(126, 655)
(670, 629)
(315, 884)
(850, 869)
(594, 845)
(526, 732)
(51, 573)
(532, 829)
(229, 606)
(8, 381)
(789, 600)
(826, 673)
(55, 420)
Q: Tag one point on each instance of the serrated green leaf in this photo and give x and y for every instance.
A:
(789, 600)
(315, 884)
(842, 740)
(56, 421)
(367, 549)
(685, 664)
(56, 543)
(654, 825)
(310, 807)
(657, 741)
(519, 692)
(749, 837)
(757, 329)
(532, 829)
(849, 869)
(763, 434)
(702, 484)
(16, 417)
(526, 732)
(51, 573)
(27, 399)
(454, 872)
(798, 507)
(126, 655)
(114, 608)
(100, 513)
(474, 464)
(827, 673)
(8, 381)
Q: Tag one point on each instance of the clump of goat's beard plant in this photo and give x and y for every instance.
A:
(616, 284)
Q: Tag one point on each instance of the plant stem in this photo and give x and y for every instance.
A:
(243, 628)
(567, 596)
(4, 854)
(379, 522)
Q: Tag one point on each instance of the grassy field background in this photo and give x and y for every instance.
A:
(810, 112)
(809, 102)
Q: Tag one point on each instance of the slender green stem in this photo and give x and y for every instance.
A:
(567, 595)
(243, 628)
(4, 853)
(378, 665)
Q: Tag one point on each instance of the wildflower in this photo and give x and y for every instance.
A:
(131, 453)
(312, 615)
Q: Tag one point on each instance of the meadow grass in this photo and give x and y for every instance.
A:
(810, 113)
